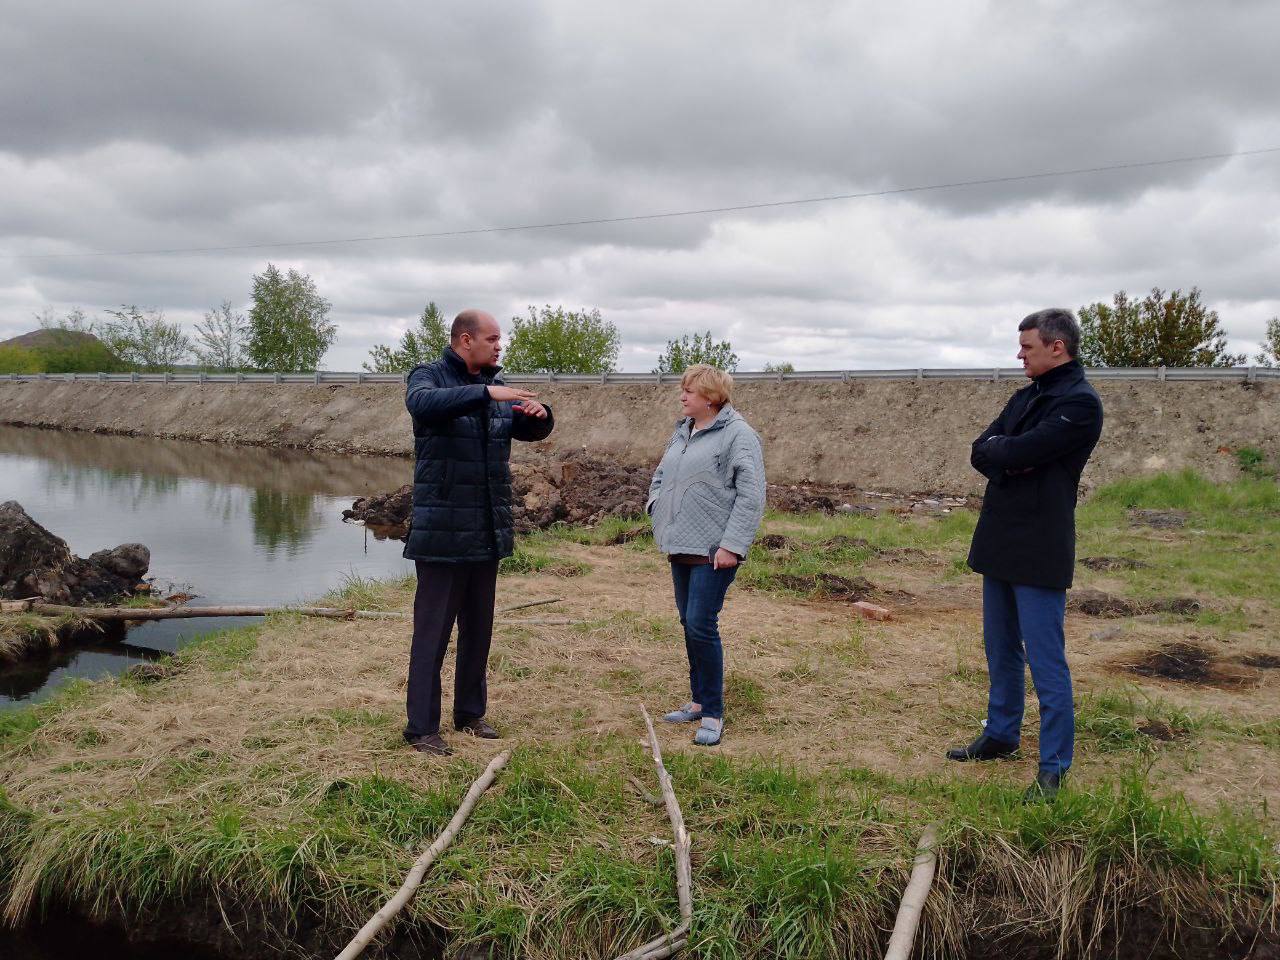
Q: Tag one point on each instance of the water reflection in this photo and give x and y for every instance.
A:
(284, 519)
(230, 524)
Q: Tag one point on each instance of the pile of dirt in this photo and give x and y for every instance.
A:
(577, 488)
(1099, 603)
(1261, 661)
(774, 542)
(36, 563)
(1160, 519)
(828, 586)
(842, 542)
(1103, 564)
(1159, 730)
(583, 488)
(387, 514)
(903, 554)
(1190, 663)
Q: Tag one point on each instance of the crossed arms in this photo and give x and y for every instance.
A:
(1068, 426)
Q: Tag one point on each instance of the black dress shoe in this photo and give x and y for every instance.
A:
(431, 743)
(477, 728)
(984, 748)
(1045, 789)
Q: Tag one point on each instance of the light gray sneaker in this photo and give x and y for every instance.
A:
(686, 714)
(709, 732)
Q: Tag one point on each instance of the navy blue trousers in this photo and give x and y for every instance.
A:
(700, 591)
(1023, 625)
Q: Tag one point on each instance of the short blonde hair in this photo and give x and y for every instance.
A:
(711, 383)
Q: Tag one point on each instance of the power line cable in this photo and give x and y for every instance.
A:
(666, 215)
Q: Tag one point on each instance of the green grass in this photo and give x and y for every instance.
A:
(558, 858)
(608, 531)
(555, 861)
(362, 593)
(1225, 553)
(528, 558)
(1111, 720)
(857, 541)
(1254, 463)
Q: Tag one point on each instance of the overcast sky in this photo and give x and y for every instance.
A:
(129, 125)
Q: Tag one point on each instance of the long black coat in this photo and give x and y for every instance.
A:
(462, 475)
(1033, 455)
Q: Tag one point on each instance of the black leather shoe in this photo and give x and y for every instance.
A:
(477, 728)
(433, 744)
(1045, 789)
(984, 748)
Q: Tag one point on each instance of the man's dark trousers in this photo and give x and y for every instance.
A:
(447, 592)
(1023, 625)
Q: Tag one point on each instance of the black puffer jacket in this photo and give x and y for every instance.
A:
(1033, 455)
(462, 478)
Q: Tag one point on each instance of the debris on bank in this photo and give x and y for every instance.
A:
(583, 488)
(36, 563)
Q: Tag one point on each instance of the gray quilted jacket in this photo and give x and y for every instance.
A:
(709, 490)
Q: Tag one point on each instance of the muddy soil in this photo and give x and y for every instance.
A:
(1188, 662)
(1104, 564)
(1160, 519)
(1099, 603)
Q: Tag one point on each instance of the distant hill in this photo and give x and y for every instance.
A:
(58, 339)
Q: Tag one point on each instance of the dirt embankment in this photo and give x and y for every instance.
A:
(888, 435)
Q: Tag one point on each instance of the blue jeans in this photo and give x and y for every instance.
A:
(700, 591)
(1021, 625)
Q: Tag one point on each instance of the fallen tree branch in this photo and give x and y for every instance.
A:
(406, 891)
(191, 613)
(913, 898)
(532, 603)
(543, 622)
(666, 945)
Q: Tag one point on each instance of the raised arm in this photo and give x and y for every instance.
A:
(436, 404)
(747, 464)
(530, 428)
(1068, 426)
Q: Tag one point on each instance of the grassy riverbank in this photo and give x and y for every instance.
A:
(260, 773)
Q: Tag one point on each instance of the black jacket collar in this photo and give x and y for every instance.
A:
(450, 356)
(1060, 378)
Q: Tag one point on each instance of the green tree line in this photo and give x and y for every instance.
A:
(287, 329)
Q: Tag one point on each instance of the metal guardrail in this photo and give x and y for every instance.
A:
(995, 374)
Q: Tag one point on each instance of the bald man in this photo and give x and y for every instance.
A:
(464, 420)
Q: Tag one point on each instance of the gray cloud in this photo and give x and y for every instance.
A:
(144, 126)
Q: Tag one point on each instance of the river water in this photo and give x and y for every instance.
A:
(229, 524)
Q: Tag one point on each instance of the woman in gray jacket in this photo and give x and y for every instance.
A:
(706, 500)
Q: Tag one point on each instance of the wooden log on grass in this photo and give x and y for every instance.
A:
(393, 906)
(191, 613)
(666, 945)
(532, 603)
(913, 898)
